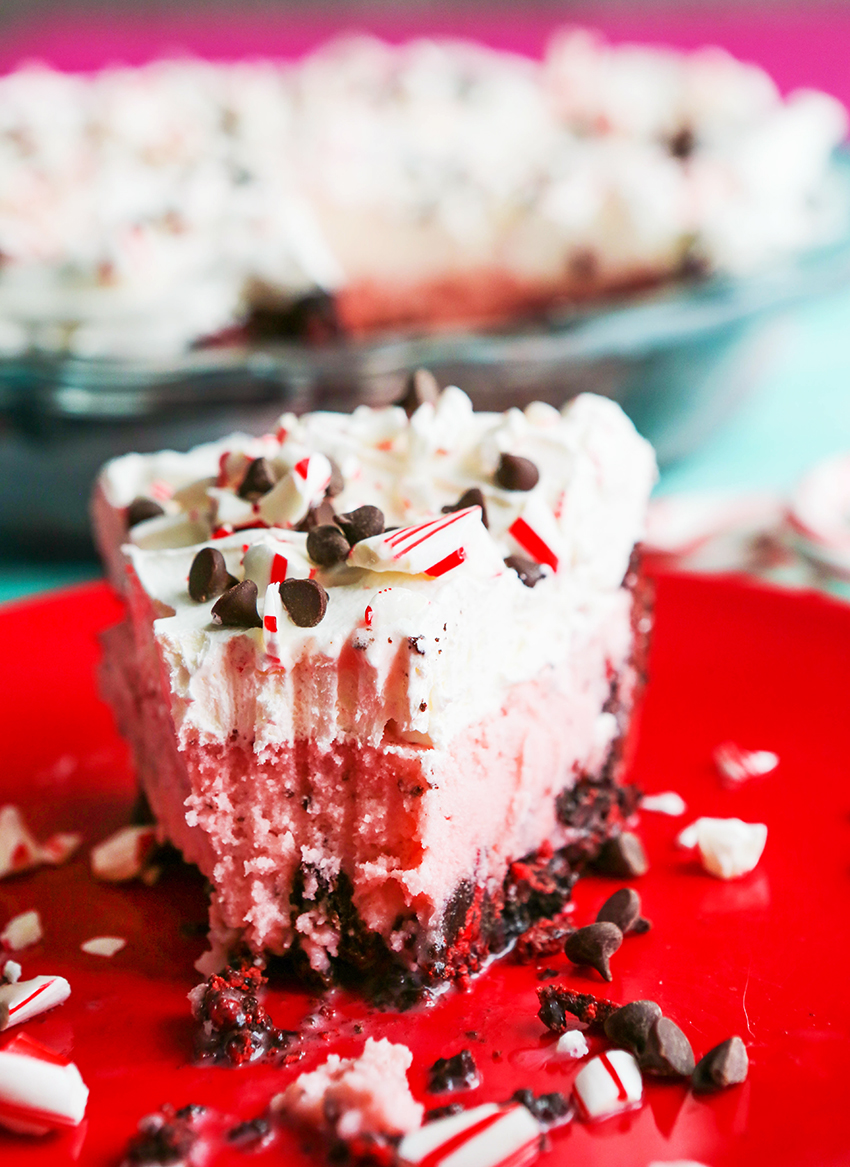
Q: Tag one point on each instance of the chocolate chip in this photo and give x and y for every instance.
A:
(623, 856)
(361, 524)
(456, 1073)
(474, 497)
(640, 926)
(337, 483)
(667, 1052)
(237, 608)
(682, 143)
(259, 479)
(305, 600)
(528, 571)
(421, 387)
(515, 473)
(725, 1065)
(141, 509)
(622, 909)
(326, 545)
(593, 945)
(208, 575)
(629, 1027)
(317, 516)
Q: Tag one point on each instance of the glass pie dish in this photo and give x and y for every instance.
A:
(678, 358)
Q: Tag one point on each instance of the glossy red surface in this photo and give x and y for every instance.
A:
(764, 957)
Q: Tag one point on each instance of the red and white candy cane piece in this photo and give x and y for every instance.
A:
(273, 560)
(431, 548)
(19, 850)
(60, 847)
(536, 533)
(303, 487)
(735, 764)
(608, 1084)
(124, 855)
(275, 620)
(486, 1136)
(25, 999)
(40, 1090)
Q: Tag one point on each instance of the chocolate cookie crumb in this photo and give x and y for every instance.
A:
(163, 1139)
(545, 938)
(455, 1073)
(560, 1009)
(629, 1027)
(237, 608)
(594, 945)
(725, 1065)
(250, 1134)
(305, 600)
(442, 1112)
(141, 509)
(549, 1109)
(259, 479)
(235, 1027)
(529, 572)
(667, 1052)
(327, 545)
(623, 856)
(515, 473)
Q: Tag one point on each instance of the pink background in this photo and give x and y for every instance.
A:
(798, 47)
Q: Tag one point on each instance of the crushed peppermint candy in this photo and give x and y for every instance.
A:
(572, 1044)
(124, 855)
(669, 803)
(608, 1085)
(22, 931)
(297, 492)
(11, 972)
(21, 851)
(432, 548)
(736, 765)
(103, 945)
(486, 1136)
(728, 848)
(40, 1090)
(22, 1000)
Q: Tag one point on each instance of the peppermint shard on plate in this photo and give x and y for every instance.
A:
(378, 671)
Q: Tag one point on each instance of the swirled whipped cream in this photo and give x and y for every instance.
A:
(433, 577)
(143, 209)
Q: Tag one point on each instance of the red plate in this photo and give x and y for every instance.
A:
(761, 957)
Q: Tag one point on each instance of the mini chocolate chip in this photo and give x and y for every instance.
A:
(316, 516)
(208, 575)
(515, 473)
(326, 545)
(474, 497)
(305, 600)
(623, 856)
(237, 608)
(259, 479)
(682, 143)
(622, 909)
(593, 945)
(421, 387)
(667, 1052)
(361, 524)
(456, 1073)
(337, 483)
(725, 1065)
(528, 571)
(629, 1027)
(141, 509)
(640, 926)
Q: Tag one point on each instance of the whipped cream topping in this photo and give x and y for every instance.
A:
(141, 209)
(400, 598)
